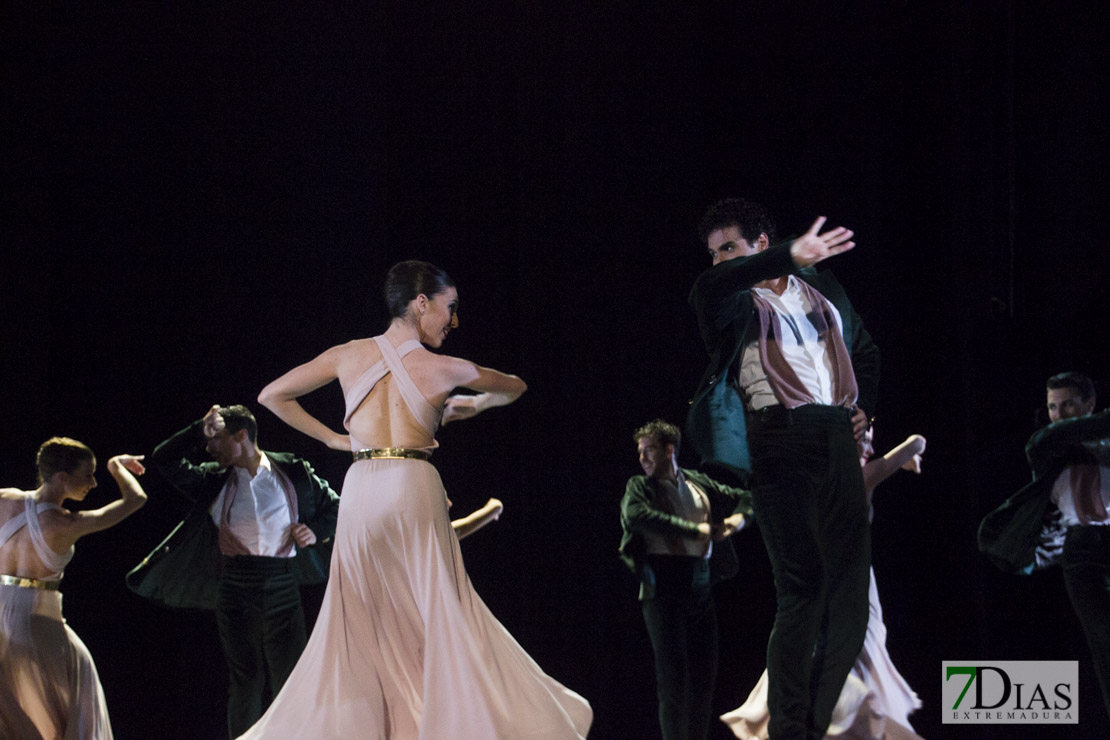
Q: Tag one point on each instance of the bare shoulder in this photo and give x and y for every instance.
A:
(366, 346)
(353, 347)
(57, 515)
(449, 365)
(425, 356)
(440, 371)
(11, 502)
(58, 520)
(357, 352)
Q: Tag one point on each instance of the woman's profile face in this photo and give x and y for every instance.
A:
(81, 480)
(440, 316)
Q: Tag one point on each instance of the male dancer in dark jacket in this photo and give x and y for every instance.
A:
(782, 404)
(261, 525)
(1061, 516)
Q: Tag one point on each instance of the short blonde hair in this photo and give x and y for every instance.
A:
(661, 431)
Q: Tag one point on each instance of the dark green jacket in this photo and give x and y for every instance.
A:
(722, 299)
(184, 569)
(640, 513)
(1010, 534)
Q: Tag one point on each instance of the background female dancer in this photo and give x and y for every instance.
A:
(49, 686)
(876, 701)
(403, 646)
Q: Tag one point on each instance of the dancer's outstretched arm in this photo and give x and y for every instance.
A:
(906, 455)
(477, 519)
(494, 388)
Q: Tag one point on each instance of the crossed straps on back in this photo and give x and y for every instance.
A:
(426, 415)
(29, 517)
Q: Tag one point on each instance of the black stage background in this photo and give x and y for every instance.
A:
(198, 199)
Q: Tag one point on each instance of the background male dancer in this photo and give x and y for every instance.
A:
(674, 539)
(1061, 517)
(261, 525)
(791, 371)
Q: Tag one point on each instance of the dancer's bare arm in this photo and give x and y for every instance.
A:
(494, 388)
(65, 528)
(906, 455)
(477, 519)
(281, 395)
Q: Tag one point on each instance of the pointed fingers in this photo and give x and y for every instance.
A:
(837, 235)
(816, 226)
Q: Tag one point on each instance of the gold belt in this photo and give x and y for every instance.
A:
(392, 453)
(29, 583)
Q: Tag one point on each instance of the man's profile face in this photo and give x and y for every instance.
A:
(727, 244)
(225, 448)
(1065, 403)
(655, 458)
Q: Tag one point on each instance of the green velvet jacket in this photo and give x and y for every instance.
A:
(640, 513)
(184, 569)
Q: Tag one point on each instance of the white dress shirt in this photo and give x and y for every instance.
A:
(260, 516)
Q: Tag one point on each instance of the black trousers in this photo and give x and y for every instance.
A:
(810, 505)
(1086, 562)
(681, 621)
(262, 631)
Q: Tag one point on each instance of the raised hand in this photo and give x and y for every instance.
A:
(495, 508)
(917, 445)
(812, 247)
(213, 422)
(131, 463)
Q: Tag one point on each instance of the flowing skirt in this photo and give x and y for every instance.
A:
(49, 686)
(403, 646)
(875, 702)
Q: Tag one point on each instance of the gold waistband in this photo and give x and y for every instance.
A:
(29, 583)
(392, 453)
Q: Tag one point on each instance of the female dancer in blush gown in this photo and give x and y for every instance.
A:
(403, 646)
(876, 701)
(49, 687)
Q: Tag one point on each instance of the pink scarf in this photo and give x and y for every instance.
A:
(788, 389)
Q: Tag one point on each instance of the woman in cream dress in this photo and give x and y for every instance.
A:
(49, 687)
(403, 646)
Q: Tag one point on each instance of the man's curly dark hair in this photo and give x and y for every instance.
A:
(750, 217)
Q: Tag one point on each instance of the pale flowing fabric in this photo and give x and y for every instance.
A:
(875, 702)
(403, 646)
(49, 687)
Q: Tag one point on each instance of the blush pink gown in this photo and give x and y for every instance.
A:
(404, 647)
(49, 687)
